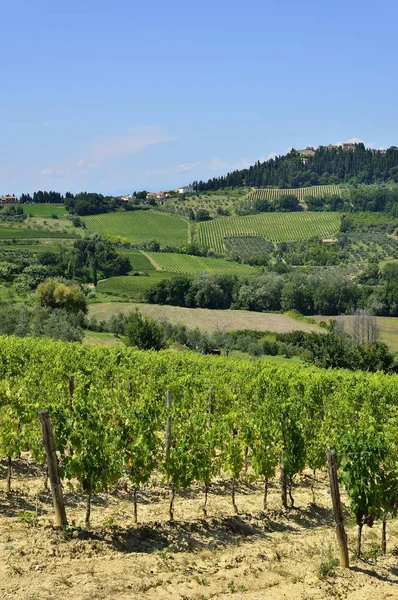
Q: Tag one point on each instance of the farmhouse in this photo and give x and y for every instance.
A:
(185, 189)
(156, 195)
(308, 151)
(8, 199)
(348, 146)
(126, 198)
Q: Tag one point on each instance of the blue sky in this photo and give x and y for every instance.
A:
(123, 95)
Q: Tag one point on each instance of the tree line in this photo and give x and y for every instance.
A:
(327, 166)
(307, 293)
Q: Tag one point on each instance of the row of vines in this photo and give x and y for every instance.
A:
(221, 414)
(277, 227)
(301, 193)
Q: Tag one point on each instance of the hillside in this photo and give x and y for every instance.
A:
(276, 227)
(332, 165)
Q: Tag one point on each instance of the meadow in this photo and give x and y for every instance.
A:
(205, 318)
(44, 210)
(185, 263)
(139, 226)
(131, 286)
(277, 227)
(34, 233)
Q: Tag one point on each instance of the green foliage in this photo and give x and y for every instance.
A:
(69, 297)
(143, 332)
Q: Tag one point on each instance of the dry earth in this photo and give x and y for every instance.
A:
(207, 319)
(252, 556)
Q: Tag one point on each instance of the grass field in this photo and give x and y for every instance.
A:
(139, 261)
(277, 227)
(44, 210)
(47, 245)
(274, 193)
(130, 286)
(207, 319)
(140, 226)
(184, 263)
(9, 233)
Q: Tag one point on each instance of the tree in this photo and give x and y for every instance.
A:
(143, 332)
(53, 294)
(364, 328)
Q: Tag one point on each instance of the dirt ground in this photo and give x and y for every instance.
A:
(255, 555)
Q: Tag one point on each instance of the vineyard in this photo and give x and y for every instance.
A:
(316, 190)
(277, 227)
(191, 418)
(185, 263)
(141, 226)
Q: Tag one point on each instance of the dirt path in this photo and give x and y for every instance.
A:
(151, 260)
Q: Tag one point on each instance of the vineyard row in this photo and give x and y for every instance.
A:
(129, 413)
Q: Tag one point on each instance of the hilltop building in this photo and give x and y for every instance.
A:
(8, 199)
(186, 189)
(308, 151)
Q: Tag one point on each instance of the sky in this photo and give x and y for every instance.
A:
(119, 96)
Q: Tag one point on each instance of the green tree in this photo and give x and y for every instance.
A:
(143, 332)
(53, 294)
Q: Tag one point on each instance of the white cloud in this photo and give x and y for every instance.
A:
(44, 124)
(52, 172)
(86, 164)
(137, 139)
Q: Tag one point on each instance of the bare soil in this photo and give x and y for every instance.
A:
(255, 555)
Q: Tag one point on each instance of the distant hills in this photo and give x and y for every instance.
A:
(327, 165)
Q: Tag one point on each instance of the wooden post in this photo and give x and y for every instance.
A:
(169, 400)
(52, 463)
(283, 474)
(71, 390)
(283, 482)
(210, 407)
(338, 516)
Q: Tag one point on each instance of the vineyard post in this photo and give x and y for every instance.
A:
(168, 423)
(210, 407)
(52, 465)
(71, 390)
(283, 474)
(338, 516)
(169, 400)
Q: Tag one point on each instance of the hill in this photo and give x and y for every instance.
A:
(327, 165)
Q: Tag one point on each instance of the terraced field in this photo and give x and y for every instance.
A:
(141, 226)
(277, 227)
(316, 190)
(185, 263)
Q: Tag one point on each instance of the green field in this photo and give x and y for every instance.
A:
(141, 226)
(277, 227)
(9, 233)
(44, 210)
(130, 286)
(185, 263)
(274, 193)
(139, 261)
